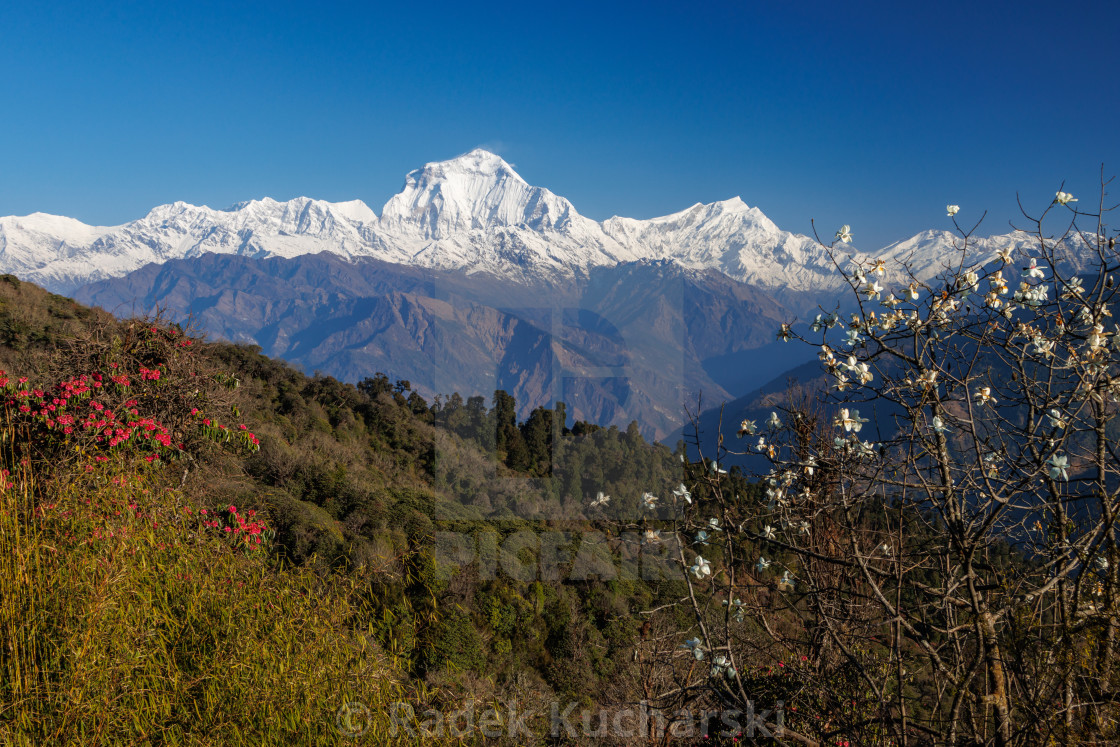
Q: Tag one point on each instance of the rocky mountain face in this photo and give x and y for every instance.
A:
(636, 341)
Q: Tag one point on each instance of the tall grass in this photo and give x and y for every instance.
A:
(124, 619)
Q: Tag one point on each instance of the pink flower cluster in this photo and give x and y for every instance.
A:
(243, 527)
(65, 410)
(73, 407)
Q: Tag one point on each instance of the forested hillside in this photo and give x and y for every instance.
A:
(204, 544)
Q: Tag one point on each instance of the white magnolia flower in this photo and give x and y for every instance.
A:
(912, 293)
(682, 493)
(784, 333)
(652, 537)
(1032, 296)
(891, 301)
(1042, 346)
(721, 666)
(1097, 337)
(810, 464)
(872, 289)
(928, 380)
(701, 538)
(1073, 288)
(716, 469)
(879, 267)
(701, 568)
(747, 428)
(768, 532)
(1062, 198)
(849, 420)
(952, 210)
(804, 528)
(649, 501)
(862, 371)
(886, 549)
(890, 320)
(1058, 467)
(845, 234)
(601, 499)
(696, 647)
(762, 564)
(764, 447)
(786, 582)
(938, 425)
(774, 422)
(984, 396)
(713, 524)
(1033, 270)
(969, 281)
(853, 338)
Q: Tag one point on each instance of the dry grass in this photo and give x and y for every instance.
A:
(125, 620)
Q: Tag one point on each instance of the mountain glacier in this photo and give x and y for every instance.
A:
(472, 214)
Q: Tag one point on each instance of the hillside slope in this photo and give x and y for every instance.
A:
(356, 486)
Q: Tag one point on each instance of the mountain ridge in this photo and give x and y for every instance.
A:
(473, 213)
(629, 342)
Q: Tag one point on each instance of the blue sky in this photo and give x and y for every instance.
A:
(872, 114)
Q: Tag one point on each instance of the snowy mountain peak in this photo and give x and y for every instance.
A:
(477, 190)
(478, 162)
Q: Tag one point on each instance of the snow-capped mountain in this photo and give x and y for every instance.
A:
(475, 191)
(473, 214)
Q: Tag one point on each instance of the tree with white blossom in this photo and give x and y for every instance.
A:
(931, 556)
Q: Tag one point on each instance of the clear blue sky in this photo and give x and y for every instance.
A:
(873, 114)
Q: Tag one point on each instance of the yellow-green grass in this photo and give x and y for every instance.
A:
(124, 619)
